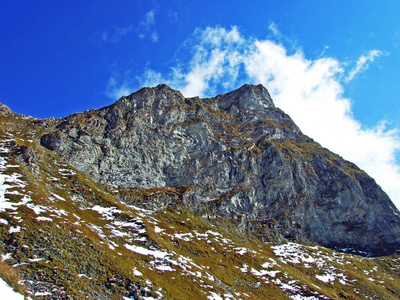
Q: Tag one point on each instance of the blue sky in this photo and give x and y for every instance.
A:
(334, 66)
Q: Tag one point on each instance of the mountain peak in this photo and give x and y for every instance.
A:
(149, 97)
(254, 98)
(163, 86)
(258, 87)
(161, 89)
(245, 159)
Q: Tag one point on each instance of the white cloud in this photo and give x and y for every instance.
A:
(116, 90)
(216, 57)
(363, 63)
(312, 94)
(147, 27)
(148, 20)
(310, 91)
(215, 63)
(275, 31)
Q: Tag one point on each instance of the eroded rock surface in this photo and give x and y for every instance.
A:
(239, 157)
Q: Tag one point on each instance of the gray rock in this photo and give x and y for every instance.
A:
(243, 158)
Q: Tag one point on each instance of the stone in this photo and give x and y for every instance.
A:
(243, 158)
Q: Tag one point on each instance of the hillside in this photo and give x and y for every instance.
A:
(162, 197)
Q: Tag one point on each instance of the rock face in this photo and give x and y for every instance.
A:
(235, 156)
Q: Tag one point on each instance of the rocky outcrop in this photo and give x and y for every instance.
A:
(240, 158)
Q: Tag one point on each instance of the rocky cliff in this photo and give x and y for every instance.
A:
(235, 156)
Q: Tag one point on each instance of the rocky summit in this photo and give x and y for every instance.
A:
(158, 196)
(235, 156)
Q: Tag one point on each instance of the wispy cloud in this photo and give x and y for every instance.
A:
(172, 16)
(281, 38)
(310, 91)
(274, 29)
(116, 89)
(147, 27)
(363, 63)
(115, 35)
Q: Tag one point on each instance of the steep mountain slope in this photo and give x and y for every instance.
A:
(239, 157)
(162, 197)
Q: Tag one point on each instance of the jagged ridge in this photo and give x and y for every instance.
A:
(243, 159)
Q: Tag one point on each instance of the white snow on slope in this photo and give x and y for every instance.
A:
(144, 251)
(6, 292)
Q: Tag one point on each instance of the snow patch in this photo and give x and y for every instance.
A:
(137, 273)
(6, 256)
(42, 294)
(327, 278)
(187, 237)
(44, 219)
(106, 212)
(58, 197)
(14, 229)
(165, 268)
(214, 296)
(158, 229)
(144, 251)
(240, 251)
(6, 292)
